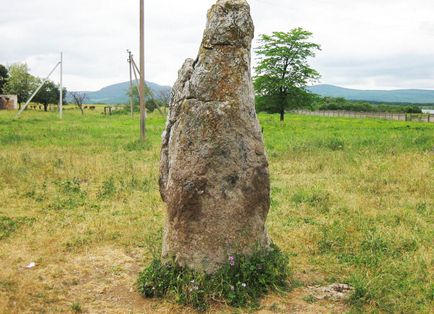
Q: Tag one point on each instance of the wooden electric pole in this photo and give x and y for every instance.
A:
(142, 73)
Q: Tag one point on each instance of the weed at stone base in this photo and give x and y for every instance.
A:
(240, 282)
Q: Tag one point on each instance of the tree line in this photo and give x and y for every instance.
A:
(17, 80)
(338, 103)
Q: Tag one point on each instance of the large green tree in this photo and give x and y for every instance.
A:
(283, 70)
(3, 77)
(49, 94)
(20, 82)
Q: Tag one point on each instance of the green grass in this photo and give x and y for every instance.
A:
(352, 201)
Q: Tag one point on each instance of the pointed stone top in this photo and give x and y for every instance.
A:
(232, 1)
(229, 23)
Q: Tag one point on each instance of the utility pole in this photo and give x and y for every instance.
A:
(37, 90)
(61, 87)
(142, 72)
(130, 58)
(135, 71)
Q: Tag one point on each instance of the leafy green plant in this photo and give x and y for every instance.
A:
(76, 307)
(108, 189)
(240, 282)
(71, 197)
(70, 186)
(9, 225)
(309, 299)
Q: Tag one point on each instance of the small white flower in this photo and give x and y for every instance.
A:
(243, 285)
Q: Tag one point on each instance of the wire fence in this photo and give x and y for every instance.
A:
(417, 117)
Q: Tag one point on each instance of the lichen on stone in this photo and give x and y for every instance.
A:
(214, 170)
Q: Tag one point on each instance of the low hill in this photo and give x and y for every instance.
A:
(118, 93)
(411, 96)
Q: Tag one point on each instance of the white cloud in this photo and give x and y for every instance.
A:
(365, 44)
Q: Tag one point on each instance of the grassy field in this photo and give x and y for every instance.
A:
(352, 201)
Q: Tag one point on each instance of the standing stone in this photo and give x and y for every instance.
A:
(214, 171)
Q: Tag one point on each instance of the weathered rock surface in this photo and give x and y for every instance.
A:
(214, 171)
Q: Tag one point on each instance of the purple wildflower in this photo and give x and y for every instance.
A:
(231, 260)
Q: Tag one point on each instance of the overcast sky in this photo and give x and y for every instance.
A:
(368, 44)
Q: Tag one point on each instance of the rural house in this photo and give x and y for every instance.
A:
(8, 102)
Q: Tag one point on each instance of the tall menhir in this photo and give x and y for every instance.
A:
(214, 171)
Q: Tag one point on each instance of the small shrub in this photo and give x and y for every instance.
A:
(76, 307)
(240, 282)
(68, 203)
(360, 294)
(72, 195)
(70, 186)
(309, 299)
(7, 227)
(421, 208)
(424, 209)
(33, 194)
(108, 189)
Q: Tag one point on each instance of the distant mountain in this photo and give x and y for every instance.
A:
(118, 93)
(414, 96)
